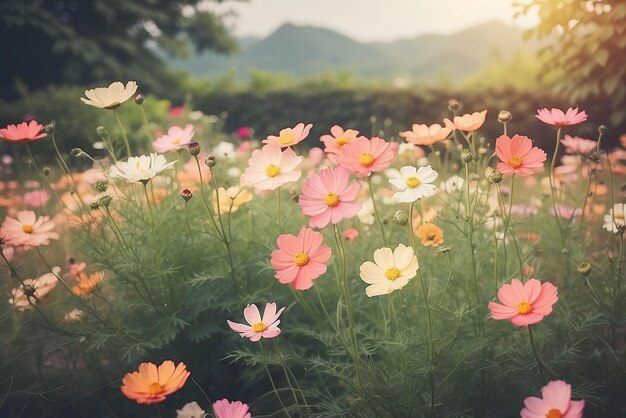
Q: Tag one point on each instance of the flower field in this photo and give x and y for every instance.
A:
(178, 270)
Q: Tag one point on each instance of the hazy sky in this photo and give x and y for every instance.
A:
(371, 20)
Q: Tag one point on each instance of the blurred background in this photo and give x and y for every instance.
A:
(268, 64)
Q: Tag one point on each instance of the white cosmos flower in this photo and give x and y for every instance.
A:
(414, 183)
(225, 150)
(390, 271)
(141, 168)
(191, 410)
(615, 218)
(366, 214)
(453, 184)
(110, 97)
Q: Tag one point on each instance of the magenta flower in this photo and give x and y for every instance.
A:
(244, 132)
(326, 197)
(555, 402)
(556, 117)
(518, 156)
(226, 409)
(266, 327)
(23, 132)
(524, 303)
(289, 136)
(366, 156)
(300, 259)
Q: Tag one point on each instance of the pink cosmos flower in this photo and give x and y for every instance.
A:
(565, 211)
(23, 132)
(289, 136)
(336, 140)
(524, 303)
(36, 198)
(226, 409)
(269, 168)
(365, 156)
(426, 135)
(326, 197)
(174, 139)
(28, 230)
(468, 122)
(300, 259)
(350, 234)
(556, 117)
(577, 145)
(266, 327)
(555, 402)
(518, 156)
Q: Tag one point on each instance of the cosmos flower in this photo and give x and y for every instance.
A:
(468, 122)
(152, 384)
(577, 145)
(557, 117)
(414, 183)
(226, 409)
(269, 168)
(230, 199)
(110, 97)
(23, 132)
(518, 156)
(34, 290)
(555, 402)
(366, 156)
(430, 235)
(191, 410)
(336, 140)
(140, 169)
(86, 285)
(175, 138)
(615, 218)
(524, 303)
(257, 328)
(390, 271)
(289, 136)
(28, 230)
(426, 135)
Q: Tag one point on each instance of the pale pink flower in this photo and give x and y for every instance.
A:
(270, 167)
(350, 234)
(23, 132)
(524, 303)
(226, 409)
(518, 156)
(555, 402)
(36, 198)
(300, 259)
(557, 117)
(174, 139)
(426, 135)
(565, 211)
(577, 145)
(289, 136)
(336, 140)
(468, 122)
(28, 230)
(38, 288)
(326, 197)
(366, 156)
(266, 327)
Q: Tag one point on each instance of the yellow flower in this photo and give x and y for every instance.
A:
(230, 199)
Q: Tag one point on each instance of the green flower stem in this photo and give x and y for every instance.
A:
(553, 191)
(203, 393)
(289, 376)
(267, 369)
(124, 135)
(470, 236)
(378, 220)
(145, 121)
(540, 364)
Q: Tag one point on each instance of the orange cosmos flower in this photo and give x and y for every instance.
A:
(430, 234)
(151, 384)
(468, 122)
(86, 285)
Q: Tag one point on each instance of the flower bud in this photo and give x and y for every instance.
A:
(50, 127)
(401, 218)
(373, 119)
(45, 171)
(584, 268)
(504, 116)
(495, 177)
(139, 99)
(101, 131)
(100, 186)
(194, 148)
(387, 122)
(186, 194)
(77, 152)
(454, 105)
(105, 201)
(466, 156)
(602, 129)
(210, 161)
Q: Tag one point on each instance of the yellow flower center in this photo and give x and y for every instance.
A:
(301, 259)
(515, 161)
(154, 388)
(272, 170)
(366, 159)
(27, 228)
(331, 199)
(524, 308)
(392, 273)
(287, 138)
(259, 327)
(413, 182)
(554, 413)
(176, 141)
(619, 216)
(341, 141)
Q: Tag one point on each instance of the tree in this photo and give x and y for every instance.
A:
(589, 52)
(89, 41)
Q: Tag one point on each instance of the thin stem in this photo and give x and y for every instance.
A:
(540, 365)
(288, 373)
(124, 135)
(553, 187)
(379, 221)
(470, 236)
(267, 369)
(203, 392)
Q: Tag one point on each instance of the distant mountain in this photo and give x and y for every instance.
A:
(306, 50)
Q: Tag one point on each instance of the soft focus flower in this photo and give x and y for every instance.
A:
(365, 156)
(225, 151)
(555, 402)
(110, 97)
(174, 139)
(565, 212)
(556, 117)
(300, 259)
(366, 214)
(467, 122)
(28, 229)
(23, 132)
(577, 145)
(141, 168)
(244, 132)
(267, 327)
(73, 315)
(430, 234)
(350, 234)
(289, 136)
(426, 135)
(453, 184)
(270, 167)
(151, 384)
(86, 285)
(518, 156)
(326, 197)
(191, 410)
(336, 140)
(34, 289)
(615, 218)
(226, 409)
(176, 111)
(524, 303)
(390, 270)
(230, 199)
(414, 183)
(36, 198)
